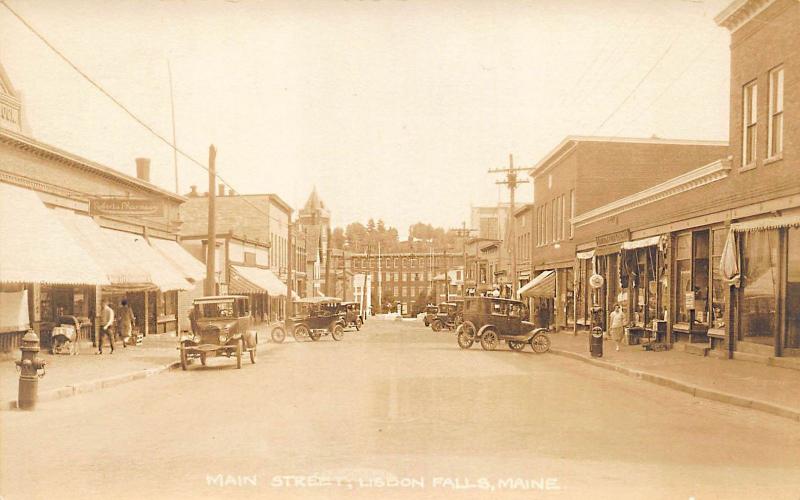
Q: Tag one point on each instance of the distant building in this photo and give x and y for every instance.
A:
(489, 222)
(314, 224)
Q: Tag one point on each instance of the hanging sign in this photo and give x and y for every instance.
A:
(124, 206)
(689, 301)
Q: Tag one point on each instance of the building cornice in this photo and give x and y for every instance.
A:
(739, 12)
(51, 152)
(693, 179)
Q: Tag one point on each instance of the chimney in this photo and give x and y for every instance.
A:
(221, 190)
(143, 169)
(193, 192)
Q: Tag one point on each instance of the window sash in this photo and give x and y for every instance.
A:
(749, 121)
(775, 123)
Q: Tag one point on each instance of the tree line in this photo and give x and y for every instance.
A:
(357, 237)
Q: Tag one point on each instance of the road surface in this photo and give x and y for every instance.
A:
(395, 411)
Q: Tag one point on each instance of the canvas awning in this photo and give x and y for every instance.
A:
(120, 269)
(162, 274)
(585, 255)
(191, 268)
(642, 243)
(262, 279)
(766, 223)
(37, 248)
(543, 285)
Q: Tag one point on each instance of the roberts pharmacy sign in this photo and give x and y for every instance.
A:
(137, 207)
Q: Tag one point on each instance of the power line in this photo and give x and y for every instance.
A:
(118, 103)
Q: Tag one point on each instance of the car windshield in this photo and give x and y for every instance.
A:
(215, 310)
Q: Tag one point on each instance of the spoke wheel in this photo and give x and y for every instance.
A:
(184, 357)
(466, 335)
(337, 332)
(516, 346)
(300, 333)
(436, 325)
(359, 324)
(489, 340)
(278, 335)
(239, 353)
(540, 343)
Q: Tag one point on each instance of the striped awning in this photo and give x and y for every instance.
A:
(543, 285)
(766, 223)
(35, 247)
(263, 280)
(162, 274)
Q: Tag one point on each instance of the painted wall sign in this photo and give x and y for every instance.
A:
(126, 206)
(613, 238)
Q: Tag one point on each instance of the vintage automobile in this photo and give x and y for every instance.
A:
(313, 317)
(450, 315)
(490, 320)
(430, 313)
(351, 313)
(223, 329)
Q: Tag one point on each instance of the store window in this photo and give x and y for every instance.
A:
(700, 275)
(792, 339)
(718, 288)
(683, 272)
(569, 306)
(760, 286)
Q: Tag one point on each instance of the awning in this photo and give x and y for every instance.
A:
(766, 223)
(162, 274)
(585, 255)
(191, 268)
(36, 247)
(120, 269)
(643, 243)
(543, 285)
(263, 280)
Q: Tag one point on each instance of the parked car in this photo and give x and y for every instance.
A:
(450, 315)
(351, 312)
(430, 313)
(223, 328)
(491, 320)
(313, 317)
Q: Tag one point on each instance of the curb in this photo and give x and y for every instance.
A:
(68, 391)
(693, 390)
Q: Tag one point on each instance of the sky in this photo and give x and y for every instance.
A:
(393, 109)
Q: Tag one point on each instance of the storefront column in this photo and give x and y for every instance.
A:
(98, 311)
(669, 296)
(146, 318)
(35, 307)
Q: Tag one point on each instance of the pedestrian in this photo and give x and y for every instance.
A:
(106, 324)
(617, 324)
(193, 321)
(126, 322)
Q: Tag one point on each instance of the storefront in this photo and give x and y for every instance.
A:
(763, 259)
(643, 287)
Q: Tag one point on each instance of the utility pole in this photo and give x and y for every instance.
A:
(211, 252)
(380, 280)
(512, 182)
(174, 148)
(328, 263)
(289, 309)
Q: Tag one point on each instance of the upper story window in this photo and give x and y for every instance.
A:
(775, 125)
(749, 116)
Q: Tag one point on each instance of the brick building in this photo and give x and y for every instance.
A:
(578, 175)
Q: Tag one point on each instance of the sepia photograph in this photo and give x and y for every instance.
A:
(399, 249)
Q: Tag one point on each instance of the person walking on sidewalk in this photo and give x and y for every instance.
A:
(617, 324)
(126, 322)
(106, 322)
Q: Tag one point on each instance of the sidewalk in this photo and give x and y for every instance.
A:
(69, 375)
(764, 388)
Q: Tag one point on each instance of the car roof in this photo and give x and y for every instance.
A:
(497, 298)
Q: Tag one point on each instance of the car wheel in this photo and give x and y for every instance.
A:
(300, 333)
(239, 353)
(203, 358)
(184, 358)
(516, 346)
(465, 334)
(337, 332)
(489, 340)
(540, 343)
(278, 335)
(427, 323)
(436, 325)
(359, 324)
(253, 355)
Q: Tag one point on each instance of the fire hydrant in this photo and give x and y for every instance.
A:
(29, 367)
